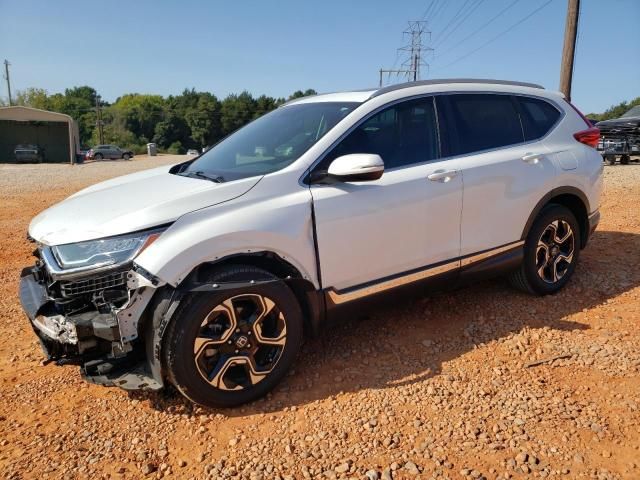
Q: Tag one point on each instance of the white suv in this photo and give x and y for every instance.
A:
(207, 274)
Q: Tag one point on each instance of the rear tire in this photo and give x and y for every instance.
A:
(98, 156)
(551, 252)
(625, 159)
(224, 349)
(611, 159)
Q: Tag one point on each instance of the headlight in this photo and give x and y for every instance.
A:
(103, 252)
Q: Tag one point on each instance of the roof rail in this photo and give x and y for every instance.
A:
(440, 81)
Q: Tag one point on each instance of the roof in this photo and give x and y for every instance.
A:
(362, 96)
(28, 114)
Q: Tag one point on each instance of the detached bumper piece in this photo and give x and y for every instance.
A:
(72, 330)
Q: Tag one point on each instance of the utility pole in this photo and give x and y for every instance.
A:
(414, 52)
(99, 123)
(6, 76)
(568, 52)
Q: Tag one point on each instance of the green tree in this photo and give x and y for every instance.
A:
(203, 120)
(141, 113)
(300, 93)
(237, 111)
(615, 111)
(32, 97)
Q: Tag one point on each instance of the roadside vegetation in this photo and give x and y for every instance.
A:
(615, 111)
(176, 123)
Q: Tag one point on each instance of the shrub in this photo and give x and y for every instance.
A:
(176, 148)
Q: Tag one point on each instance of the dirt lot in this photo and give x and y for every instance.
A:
(436, 388)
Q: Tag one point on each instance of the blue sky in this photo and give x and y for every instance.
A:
(276, 47)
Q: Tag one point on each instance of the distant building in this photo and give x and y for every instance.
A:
(56, 133)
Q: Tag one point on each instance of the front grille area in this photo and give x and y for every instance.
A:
(94, 284)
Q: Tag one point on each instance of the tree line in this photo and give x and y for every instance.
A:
(615, 111)
(176, 123)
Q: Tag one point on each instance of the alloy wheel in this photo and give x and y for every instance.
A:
(554, 253)
(240, 342)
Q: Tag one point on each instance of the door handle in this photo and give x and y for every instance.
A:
(442, 176)
(532, 158)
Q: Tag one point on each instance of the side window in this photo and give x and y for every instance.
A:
(403, 134)
(483, 122)
(539, 117)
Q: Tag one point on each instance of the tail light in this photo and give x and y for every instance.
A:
(590, 136)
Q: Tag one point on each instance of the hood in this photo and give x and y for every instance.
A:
(130, 203)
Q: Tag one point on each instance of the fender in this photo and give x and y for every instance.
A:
(566, 190)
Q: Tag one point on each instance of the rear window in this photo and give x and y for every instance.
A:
(539, 117)
(484, 122)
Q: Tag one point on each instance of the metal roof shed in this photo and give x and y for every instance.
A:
(56, 132)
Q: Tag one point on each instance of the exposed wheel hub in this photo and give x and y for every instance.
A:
(240, 341)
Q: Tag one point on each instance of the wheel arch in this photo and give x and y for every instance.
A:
(310, 299)
(570, 197)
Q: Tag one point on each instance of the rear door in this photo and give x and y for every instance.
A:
(504, 175)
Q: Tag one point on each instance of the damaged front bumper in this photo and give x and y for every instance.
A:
(103, 337)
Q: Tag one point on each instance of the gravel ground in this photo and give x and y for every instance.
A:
(441, 387)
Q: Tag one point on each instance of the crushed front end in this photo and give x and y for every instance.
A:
(91, 318)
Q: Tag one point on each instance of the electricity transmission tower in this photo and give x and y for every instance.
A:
(414, 52)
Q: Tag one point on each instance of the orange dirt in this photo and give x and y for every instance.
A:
(436, 387)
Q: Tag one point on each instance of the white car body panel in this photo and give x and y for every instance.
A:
(397, 223)
(266, 219)
(128, 204)
(500, 192)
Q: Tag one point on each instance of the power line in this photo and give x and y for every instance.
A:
(439, 10)
(466, 15)
(414, 50)
(455, 17)
(504, 32)
(426, 12)
(481, 27)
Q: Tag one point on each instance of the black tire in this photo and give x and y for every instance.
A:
(527, 278)
(625, 159)
(98, 156)
(179, 341)
(611, 159)
(126, 156)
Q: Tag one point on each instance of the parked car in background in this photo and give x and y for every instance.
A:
(207, 274)
(192, 151)
(111, 152)
(28, 153)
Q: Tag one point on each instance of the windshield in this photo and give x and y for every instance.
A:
(634, 112)
(269, 143)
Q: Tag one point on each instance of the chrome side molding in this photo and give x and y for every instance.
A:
(347, 296)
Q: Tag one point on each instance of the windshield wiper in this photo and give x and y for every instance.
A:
(204, 175)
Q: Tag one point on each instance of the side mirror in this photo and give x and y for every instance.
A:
(357, 167)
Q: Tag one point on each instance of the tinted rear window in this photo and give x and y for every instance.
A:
(539, 117)
(483, 122)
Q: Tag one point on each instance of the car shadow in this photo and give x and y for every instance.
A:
(405, 343)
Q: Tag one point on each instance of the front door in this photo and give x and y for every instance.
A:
(406, 220)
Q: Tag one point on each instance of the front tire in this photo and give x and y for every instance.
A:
(551, 252)
(126, 156)
(226, 349)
